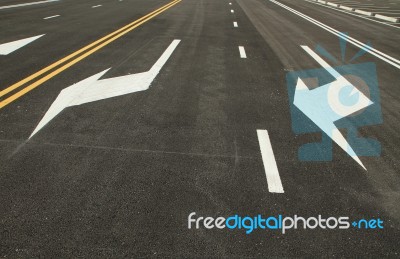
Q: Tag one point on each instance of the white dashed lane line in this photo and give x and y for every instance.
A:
(235, 24)
(242, 52)
(51, 17)
(95, 6)
(270, 167)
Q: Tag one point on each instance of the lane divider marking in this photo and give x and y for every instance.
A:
(388, 59)
(235, 24)
(269, 161)
(26, 4)
(349, 11)
(242, 52)
(95, 46)
(55, 64)
(50, 17)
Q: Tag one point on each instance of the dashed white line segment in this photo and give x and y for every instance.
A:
(95, 6)
(235, 24)
(242, 52)
(270, 167)
(51, 17)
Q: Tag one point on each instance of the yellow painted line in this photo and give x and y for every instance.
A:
(69, 64)
(59, 62)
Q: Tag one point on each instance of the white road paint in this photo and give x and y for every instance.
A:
(26, 4)
(7, 48)
(388, 59)
(50, 17)
(232, 11)
(235, 24)
(376, 8)
(306, 100)
(230, 3)
(92, 89)
(95, 6)
(242, 52)
(353, 14)
(388, 11)
(364, 12)
(270, 167)
(388, 18)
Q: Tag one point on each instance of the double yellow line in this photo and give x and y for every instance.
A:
(75, 57)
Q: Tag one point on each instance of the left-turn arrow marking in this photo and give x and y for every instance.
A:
(7, 48)
(92, 89)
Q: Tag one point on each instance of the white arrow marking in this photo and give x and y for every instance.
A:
(9, 47)
(324, 112)
(92, 89)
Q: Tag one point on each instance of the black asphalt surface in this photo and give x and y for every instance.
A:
(118, 177)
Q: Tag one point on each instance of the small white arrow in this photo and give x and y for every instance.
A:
(7, 48)
(92, 89)
(322, 106)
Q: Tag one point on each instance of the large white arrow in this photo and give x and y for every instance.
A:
(323, 106)
(7, 48)
(92, 89)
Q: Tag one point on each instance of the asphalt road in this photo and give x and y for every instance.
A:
(119, 176)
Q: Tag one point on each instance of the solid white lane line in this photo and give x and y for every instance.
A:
(235, 24)
(7, 48)
(242, 52)
(270, 167)
(26, 4)
(388, 59)
(232, 11)
(95, 6)
(50, 17)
